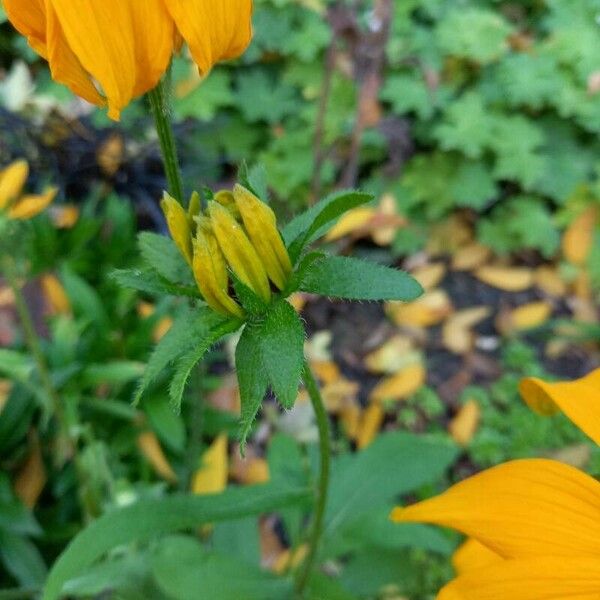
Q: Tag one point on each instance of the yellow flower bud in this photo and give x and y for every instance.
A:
(210, 272)
(261, 224)
(225, 198)
(239, 252)
(179, 226)
(195, 205)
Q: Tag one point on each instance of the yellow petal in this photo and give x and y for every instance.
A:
(210, 273)
(150, 447)
(12, 180)
(520, 509)
(125, 45)
(509, 279)
(211, 477)
(541, 578)
(400, 386)
(261, 224)
(238, 251)
(179, 225)
(464, 425)
(370, 425)
(30, 206)
(473, 555)
(214, 31)
(55, 294)
(65, 67)
(32, 477)
(29, 19)
(579, 400)
(578, 239)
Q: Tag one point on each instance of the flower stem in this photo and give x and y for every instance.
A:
(161, 111)
(323, 485)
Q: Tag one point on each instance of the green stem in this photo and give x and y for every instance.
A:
(323, 485)
(159, 104)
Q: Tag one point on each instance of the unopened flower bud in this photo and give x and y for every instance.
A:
(179, 226)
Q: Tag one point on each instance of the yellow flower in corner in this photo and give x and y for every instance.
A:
(534, 525)
(13, 202)
(125, 46)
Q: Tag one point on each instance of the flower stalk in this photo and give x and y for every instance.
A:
(323, 484)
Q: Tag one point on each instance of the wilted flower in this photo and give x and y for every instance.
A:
(534, 525)
(238, 232)
(12, 202)
(126, 45)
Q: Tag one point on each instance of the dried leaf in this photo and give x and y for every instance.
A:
(55, 295)
(353, 220)
(456, 333)
(350, 417)
(430, 276)
(250, 470)
(523, 317)
(150, 447)
(464, 425)
(578, 239)
(577, 455)
(339, 393)
(550, 282)
(370, 424)
(430, 309)
(401, 385)
(470, 257)
(211, 477)
(325, 370)
(396, 353)
(509, 279)
(32, 477)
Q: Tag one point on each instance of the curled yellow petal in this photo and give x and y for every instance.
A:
(31, 205)
(214, 31)
(239, 252)
(520, 509)
(179, 225)
(541, 578)
(473, 555)
(12, 180)
(579, 400)
(261, 224)
(210, 272)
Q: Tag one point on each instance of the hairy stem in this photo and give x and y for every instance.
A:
(159, 104)
(323, 484)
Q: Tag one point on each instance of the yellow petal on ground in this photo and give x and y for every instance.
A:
(238, 251)
(578, 239)
(150, 447)
(400, 386)
(261, 225)
(370, 424)
(211, 477)
(339, 393)
(110, 154)
(578, 399)
(354, 220)
(393, 355)
(430, 309)
(55, 295)
(65, 66)
(472, 556)
(509, 279)
(251, 470)
(430, 276)
(214, 31)
(470, 257)
(32, 477)
(549, 281)
(32, 205)
(65, 216)
(456, 333)
(125, 46)
(179, 225)
(520, 509)
(541, 578)
(350, 417)
(464, 425)
(527, 316)
(326, 370)
(12, 180)
(387, 222)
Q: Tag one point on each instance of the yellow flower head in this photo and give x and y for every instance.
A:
(534, 525)
(16, 205)
(236, 232)
(125, 46)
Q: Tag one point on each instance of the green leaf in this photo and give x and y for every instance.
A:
(22, 559)
(169, 426)
(85, 299)
(202, 344)
(150, 282)
(354, 279)
(313, 223)
(282, 350)
(252, 377)
(151, 517)
(322, 586)
(184, 569)
(207, 98)
(394, 464)
(118, 372)
(161, 254)
(15, 365)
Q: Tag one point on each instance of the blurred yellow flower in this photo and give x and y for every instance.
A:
(237, 231)
(125, 46)
(534, 525)
(12, 201)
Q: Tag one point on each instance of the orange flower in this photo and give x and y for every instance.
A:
(125, 46)
(534, 525)
(16, 205)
